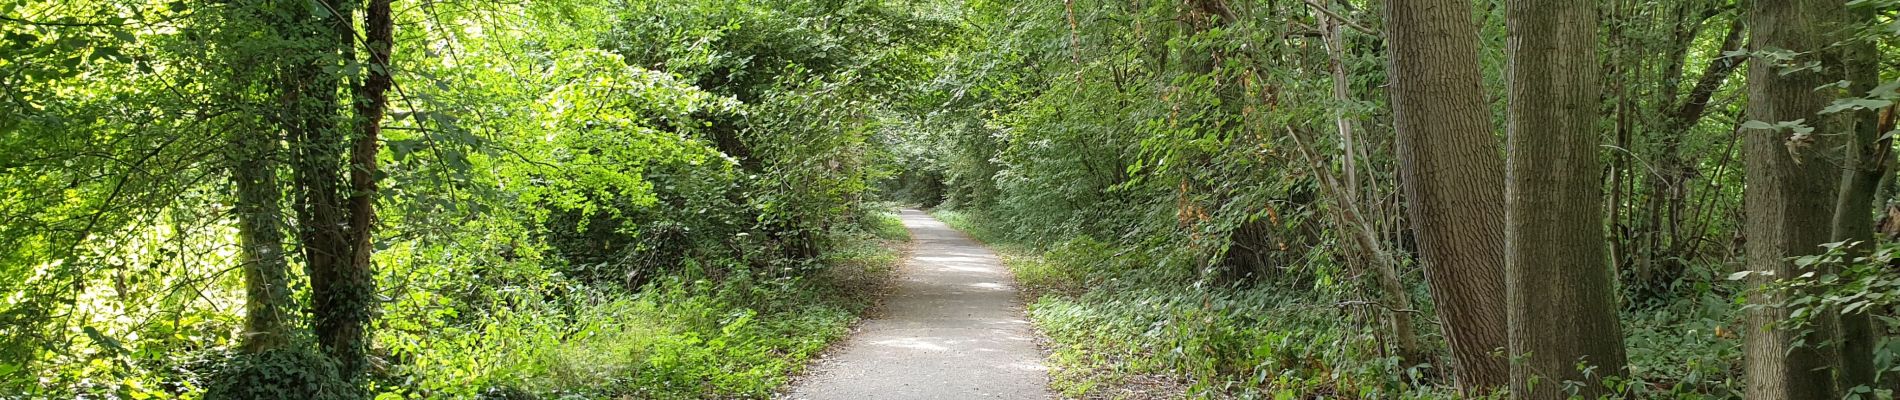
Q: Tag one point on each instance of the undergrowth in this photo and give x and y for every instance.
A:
(738, 336)
(1127, 322)
(1130, 323)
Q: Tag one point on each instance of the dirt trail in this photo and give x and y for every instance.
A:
(952, 328)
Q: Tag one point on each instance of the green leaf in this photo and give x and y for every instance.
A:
(401, 149)
(105, 52)
(104, 341)
(1856, 104)
(1887, 90)
(24, 39)
(318, 9)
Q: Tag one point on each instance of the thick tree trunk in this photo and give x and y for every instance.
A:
(1453, 174)
(260, 216)
(1790, 197)
(1560, 288)
(1865, 164)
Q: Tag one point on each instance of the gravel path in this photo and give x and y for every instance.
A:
(953, 328)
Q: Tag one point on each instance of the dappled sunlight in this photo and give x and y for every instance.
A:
(960, 264)
(916, 343)
(989, 286)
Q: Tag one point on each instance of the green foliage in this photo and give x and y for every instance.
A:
(1849, 283)
(1128, 318)
(296, 372)
(571, 202)
(1141, 162)
(1688, 349)
(1125, 317)
(687, 198)
(886, 226)
(676, 338)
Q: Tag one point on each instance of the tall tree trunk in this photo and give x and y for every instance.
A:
(1559, 285)
(1867, 157)
(340, 290)
(1617, 88)
(1453, 174)
(372, 102)
(1791, 186)
(260, 216)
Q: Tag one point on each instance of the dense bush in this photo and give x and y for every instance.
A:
(296, 372)
(677, 337)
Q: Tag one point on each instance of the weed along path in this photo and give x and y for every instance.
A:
(952, 328)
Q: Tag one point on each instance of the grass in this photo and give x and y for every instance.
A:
(1135, 322)
(679, 338)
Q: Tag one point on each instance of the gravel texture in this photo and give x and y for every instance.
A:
(951, 328)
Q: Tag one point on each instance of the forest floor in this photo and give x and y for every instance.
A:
(951, 328)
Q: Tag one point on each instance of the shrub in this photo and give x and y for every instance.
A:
(293, 372)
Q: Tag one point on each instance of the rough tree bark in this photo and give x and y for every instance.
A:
(1791, 186)
(1559, 285)
(1453, 176)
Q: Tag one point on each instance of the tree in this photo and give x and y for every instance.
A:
(1790, 195)
(253, 163)
(371, 98)
(1558, 281)
(1864, 166)
(1453, 176)
(260, 214)
(1347, 211)
(1661, 158)
(336, 216)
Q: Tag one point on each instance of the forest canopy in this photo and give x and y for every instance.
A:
(390, 199)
